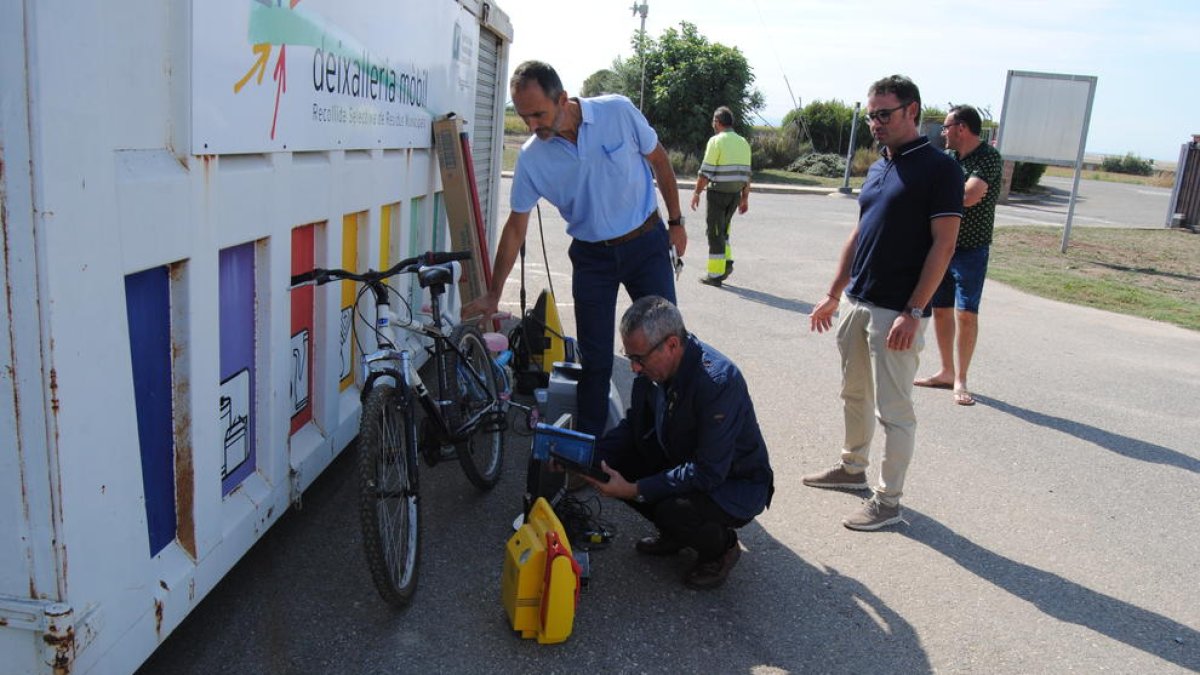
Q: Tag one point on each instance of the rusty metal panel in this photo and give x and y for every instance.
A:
(1187, 194)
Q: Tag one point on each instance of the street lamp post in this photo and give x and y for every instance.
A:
(643, 9)
(845, 189)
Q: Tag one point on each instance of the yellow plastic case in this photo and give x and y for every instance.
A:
(540, 583)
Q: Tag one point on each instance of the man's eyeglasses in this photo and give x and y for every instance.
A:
(884, 115)
(640, 359)
(946, 127)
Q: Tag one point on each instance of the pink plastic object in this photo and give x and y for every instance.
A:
(496, 342)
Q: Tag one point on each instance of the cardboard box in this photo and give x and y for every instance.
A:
(460, 197)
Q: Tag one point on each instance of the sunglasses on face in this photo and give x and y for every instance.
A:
(884, 115)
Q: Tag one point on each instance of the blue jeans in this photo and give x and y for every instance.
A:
(643, 266)
(962, 286)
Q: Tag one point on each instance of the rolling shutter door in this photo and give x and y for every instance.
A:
(483, 140)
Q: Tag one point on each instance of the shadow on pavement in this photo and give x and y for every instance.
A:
(301, 600)
(768, 299)
(1050, 200)
(1149, 271)
(1062, 598)
(1122, 445)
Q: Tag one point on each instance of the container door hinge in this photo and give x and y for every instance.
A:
(63, 633)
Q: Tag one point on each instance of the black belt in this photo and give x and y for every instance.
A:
(650, 222)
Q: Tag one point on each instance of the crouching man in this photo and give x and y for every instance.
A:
(689, 455)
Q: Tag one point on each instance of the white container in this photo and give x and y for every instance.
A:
(156, 152)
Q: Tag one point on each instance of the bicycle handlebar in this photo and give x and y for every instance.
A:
(318, 276)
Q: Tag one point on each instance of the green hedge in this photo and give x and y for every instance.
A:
(1130, 163)
(1026, 176)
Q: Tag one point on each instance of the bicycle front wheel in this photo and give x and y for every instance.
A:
(388, 505)
(472, 379)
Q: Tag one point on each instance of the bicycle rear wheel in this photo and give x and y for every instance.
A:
(472, 379)
(388, 504)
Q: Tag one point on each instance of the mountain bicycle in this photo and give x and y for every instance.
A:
(464, 416)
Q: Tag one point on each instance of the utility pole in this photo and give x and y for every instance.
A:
(643, 8)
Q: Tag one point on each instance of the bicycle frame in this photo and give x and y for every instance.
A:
(376, 365)
(389, 504)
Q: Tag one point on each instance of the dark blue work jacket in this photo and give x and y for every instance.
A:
(711, 440)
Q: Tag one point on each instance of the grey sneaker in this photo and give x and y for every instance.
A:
(873, 515)
(836, 478)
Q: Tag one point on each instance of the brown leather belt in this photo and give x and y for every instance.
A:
(650, 222)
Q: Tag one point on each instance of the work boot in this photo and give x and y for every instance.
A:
(711, 281)
(712, 573)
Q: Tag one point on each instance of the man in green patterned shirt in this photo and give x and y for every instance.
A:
(726, 173)
(956, 302)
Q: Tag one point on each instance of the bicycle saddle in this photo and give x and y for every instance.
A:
(435, 274)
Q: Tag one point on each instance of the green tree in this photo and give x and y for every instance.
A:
(602, 81)
(687, 78)
(826, 124)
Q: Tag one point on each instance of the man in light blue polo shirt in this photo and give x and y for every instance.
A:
(596, 160)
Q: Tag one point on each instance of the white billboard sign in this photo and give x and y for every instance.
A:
(1045, 117)
(1045, 121)
(271, 75)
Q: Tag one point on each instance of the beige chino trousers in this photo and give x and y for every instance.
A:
(877, 384)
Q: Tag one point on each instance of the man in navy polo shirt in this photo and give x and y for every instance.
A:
(909, 211)
(595, 159)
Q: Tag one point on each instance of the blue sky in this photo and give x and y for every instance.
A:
(1145, 54)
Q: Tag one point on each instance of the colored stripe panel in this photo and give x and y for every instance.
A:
(300, 382)
(417, 223)
(148, 311)
(385, 236)
(349, 288)
(439, 221)
(236, 295)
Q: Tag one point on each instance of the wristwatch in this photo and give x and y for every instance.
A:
(914, 312)
(676, 222)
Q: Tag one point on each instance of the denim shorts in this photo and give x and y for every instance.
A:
(962, 286)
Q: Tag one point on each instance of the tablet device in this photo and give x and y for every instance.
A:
(570, 449)
(586, 469)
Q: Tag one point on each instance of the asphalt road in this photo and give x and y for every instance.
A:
(1098, 204)
(1051, 528)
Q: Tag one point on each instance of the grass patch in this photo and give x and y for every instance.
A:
(1154, 274)
(1157, 179)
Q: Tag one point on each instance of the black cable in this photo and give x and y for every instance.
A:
(545, 256)
(523, 277)
(584, 523)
